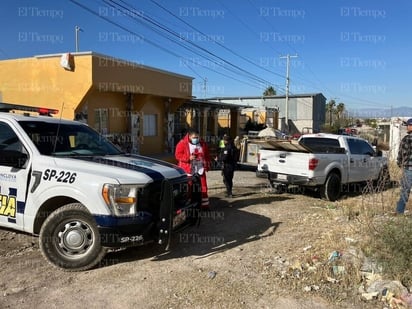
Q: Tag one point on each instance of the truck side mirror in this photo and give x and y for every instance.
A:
(13, 158)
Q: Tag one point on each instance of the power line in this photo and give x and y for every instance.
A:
(151, 42)
(238, 69)
(214, 41)
(122, 27)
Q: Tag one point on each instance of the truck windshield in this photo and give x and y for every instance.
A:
(67, 139)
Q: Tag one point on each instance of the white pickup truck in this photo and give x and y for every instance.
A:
(62, 181)
(321, 161)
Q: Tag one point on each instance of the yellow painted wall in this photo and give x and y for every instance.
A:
(224, 119)
(115, 103)
(97, 81)
(111, 74)
(43, 82)
(153, 144)
(119, 117)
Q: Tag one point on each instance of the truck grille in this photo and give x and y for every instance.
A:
(149, 198)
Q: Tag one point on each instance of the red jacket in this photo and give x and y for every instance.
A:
(182, 154)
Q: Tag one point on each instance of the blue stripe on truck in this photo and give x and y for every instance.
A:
(155, 175)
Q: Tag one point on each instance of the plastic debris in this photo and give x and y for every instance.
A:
(350, 240)
(338, 270)
(307, 288)
(393, 286)
(332, 280)
(334, 256)
(211, 274)
(370, 296)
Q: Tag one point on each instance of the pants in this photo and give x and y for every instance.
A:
(228, 173)
(406, 184)
(202, 187)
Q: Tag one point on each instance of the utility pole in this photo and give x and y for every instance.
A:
(287, 89)
(77, 29)
(204, 87)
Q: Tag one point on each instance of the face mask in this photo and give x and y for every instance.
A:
(194, 141)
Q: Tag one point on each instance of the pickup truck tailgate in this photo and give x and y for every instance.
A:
(285, 162)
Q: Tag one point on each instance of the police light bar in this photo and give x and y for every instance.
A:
(43, 111)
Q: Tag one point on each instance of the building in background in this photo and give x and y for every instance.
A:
(142, 109)
(301, 111)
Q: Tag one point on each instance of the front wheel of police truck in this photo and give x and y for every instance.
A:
(70, 239)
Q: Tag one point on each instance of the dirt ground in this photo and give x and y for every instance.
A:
(234, 259)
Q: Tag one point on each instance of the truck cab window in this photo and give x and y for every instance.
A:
(354, 146)
(367, 149)
(360, 147)
(9, 140)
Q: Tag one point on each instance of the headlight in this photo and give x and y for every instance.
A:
(121, 199)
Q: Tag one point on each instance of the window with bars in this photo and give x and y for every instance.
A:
(101, 120)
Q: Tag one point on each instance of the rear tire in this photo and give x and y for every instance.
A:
(331, 190)
(261, 174)
(70, 239)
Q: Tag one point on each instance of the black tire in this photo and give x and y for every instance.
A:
(70, 239)
(331, 190)
(261, 174)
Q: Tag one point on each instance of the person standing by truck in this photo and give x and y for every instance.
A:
(228, 158)
(404, 161)
(192, 154)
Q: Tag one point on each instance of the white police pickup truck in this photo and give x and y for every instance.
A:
(62, 181)
(323, 162)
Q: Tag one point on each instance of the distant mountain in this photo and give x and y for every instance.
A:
(402, 111)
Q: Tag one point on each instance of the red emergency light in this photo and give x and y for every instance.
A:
(47, 111)
(43, 111)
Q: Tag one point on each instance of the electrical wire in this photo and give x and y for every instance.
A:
(151, 42)
(235, 68)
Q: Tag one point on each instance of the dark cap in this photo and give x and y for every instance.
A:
(409, 122)
(226, 137)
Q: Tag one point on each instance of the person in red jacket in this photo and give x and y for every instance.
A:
(192, 154)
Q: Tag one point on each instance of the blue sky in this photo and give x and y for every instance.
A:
(355, 52)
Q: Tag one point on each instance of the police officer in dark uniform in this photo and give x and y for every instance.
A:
(228, 158)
